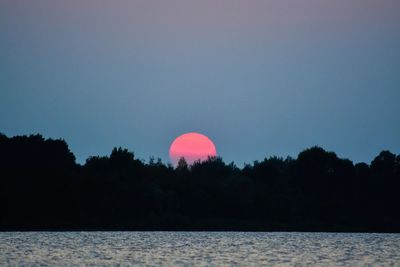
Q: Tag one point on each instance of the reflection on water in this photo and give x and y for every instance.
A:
(198, 248)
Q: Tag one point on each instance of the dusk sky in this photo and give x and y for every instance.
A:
(260, 78)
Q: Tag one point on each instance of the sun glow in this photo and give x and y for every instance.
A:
(191, 146)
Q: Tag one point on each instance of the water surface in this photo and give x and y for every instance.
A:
(198, 248)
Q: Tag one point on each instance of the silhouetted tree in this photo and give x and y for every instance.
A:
(42, 187)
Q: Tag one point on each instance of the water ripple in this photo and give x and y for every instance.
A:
(198, 248)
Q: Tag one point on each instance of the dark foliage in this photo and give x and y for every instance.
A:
(42, 188)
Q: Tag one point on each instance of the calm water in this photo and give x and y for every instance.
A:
(198, 248)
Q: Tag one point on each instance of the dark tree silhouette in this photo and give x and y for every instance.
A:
(43, 188)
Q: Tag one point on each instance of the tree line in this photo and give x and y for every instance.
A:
(43, 188)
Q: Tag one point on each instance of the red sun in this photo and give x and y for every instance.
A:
(192, 147)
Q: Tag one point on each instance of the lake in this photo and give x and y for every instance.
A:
(198, 248)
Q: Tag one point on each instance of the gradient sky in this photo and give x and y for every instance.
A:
(259, 77)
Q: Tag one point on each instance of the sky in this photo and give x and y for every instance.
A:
(258, 77)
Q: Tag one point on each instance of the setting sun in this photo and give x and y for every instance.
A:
(192, 147)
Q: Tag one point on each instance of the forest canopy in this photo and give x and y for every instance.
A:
(43, 188)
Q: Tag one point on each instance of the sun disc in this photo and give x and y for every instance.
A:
(191, 146)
